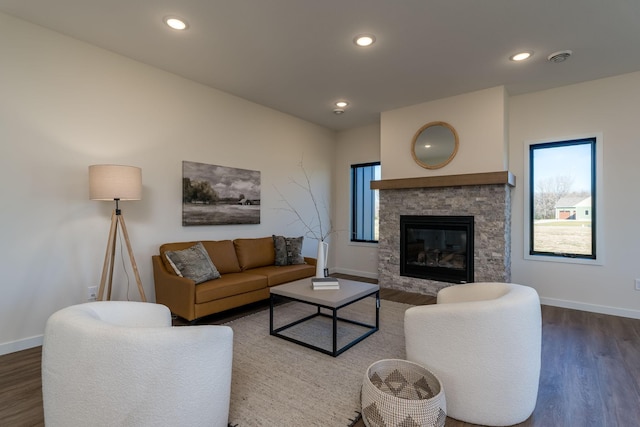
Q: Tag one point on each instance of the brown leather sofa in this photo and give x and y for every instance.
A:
(247, 268)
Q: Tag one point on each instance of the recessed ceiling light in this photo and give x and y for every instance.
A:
(338, 111)
(341, 104)
(176, 23)
(364, 40)
(521, 56)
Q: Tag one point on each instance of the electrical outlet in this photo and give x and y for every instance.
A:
(637, 284)
(92, 293)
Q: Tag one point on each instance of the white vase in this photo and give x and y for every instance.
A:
(321, 260)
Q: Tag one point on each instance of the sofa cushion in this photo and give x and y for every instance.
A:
(277, 275)
(223, 255)
(288, 250)
(254, 253)
(193, 263)
(229, 285)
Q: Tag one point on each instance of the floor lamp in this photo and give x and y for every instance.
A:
(116, 182)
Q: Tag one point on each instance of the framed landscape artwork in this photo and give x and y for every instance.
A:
(219, 195)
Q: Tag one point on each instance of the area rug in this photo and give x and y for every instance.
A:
(279, 383)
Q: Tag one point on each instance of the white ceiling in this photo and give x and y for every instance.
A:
(297, 56)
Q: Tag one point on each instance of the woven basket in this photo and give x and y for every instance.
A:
(402, 393)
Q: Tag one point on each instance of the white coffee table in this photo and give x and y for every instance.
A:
(333, 300)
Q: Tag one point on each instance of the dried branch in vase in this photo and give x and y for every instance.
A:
(315, 228)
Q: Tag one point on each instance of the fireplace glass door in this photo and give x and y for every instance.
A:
(437, 247)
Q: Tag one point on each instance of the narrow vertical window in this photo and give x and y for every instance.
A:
(364, 202)
(562, 199)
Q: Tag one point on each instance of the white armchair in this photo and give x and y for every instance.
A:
(117, 363)
(483, 340)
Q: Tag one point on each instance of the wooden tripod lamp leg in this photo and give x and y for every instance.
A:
(133, 260)
(107, 268)
(113, 256)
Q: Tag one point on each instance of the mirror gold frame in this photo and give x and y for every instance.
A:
(434, 145)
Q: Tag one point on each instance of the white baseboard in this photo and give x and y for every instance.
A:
(23, 344)
(602, 309)
(593, 308)
(366, 274)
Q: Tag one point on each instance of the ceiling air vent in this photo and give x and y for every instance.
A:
(559, 56)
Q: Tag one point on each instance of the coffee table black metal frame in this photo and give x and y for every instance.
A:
(375, 291)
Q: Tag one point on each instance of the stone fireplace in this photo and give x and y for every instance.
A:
(485, 196)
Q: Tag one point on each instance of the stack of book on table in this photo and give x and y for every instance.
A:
(324, 283)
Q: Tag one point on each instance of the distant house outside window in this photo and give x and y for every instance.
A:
(563, 200)
(364, 202)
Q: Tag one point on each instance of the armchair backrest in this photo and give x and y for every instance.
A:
(121, 363)
(473, 292)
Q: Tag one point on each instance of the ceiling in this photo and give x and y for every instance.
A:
(298, 56)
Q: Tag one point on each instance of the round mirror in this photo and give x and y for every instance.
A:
(434, 145)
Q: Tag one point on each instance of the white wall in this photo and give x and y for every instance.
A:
(479, 118)
(608, 106)
(65, 105)
(360, 145)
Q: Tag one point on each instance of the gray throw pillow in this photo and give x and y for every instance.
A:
(294, 250)
(281, 250)
(193, 263)
(288, 250)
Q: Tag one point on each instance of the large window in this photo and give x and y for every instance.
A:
(563, 199)
(364, 202)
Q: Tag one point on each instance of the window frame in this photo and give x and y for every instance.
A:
(596, 210)
(354, 203)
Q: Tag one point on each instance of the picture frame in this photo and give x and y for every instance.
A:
(219, 195)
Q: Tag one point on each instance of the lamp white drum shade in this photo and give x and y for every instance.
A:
(109, 182)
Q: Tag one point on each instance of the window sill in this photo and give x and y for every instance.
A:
(565, 260)
(364, 244)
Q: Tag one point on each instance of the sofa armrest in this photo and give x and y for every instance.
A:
(177, 293)
(311, 261)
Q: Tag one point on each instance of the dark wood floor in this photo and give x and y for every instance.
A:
(590, 370)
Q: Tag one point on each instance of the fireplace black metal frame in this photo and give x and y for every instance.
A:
(438, 222)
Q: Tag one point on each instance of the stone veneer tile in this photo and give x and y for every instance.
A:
(490, 205)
